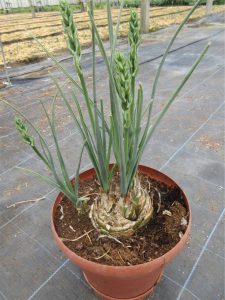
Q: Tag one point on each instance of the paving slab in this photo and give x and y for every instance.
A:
(2, 296)
(13, 148)
(207, 169)
(179, 269)
(157, 153)
(165, 290)
(207, 281)
(216, 244)
(199, 191)
(209, 141)
(24, 264)
(17, 185)
(188, 296)
(200, 194)
(36, 224)
(64, 285)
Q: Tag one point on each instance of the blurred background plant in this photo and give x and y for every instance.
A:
(137, 3)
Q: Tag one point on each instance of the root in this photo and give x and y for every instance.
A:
(91, 194)
(88, 236)
(76, 239)
(121, 257)
(110, 237)
(106, 253)
(26, 201)
(160, 200)
(96, 181)
(71, 227)
(62, 213)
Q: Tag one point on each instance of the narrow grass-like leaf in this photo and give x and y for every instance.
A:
(162, 63)
(170, 45)
(173, 97)
(59, 155)
(103, 167)
(66, 73)
(60, 186)
(117, 30)
(116, 110)
(110, 23)
(124, 134)
(40, 176)
(57, 64)
(44, 143)
(76, 185)
(103, 129)
(171, 100)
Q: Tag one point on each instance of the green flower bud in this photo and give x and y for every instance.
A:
(70, 30)
(123, 80)
(134, 29)
(134, 41)
(23, 130)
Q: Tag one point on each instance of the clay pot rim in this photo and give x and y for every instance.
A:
(164, 259)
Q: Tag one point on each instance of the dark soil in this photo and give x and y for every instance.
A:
(162, 233)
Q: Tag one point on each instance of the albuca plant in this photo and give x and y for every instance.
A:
(124, 206)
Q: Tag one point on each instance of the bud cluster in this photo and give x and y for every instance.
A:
(22, 128)
(70, 31)
(134, 41)
(122, 79)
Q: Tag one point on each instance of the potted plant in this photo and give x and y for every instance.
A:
(121, 222)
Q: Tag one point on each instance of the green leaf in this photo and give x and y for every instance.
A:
(76, 185)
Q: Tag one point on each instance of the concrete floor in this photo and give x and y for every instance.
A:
(188, 146)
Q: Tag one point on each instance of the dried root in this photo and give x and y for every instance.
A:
(62, 213)
(78, 238)
(106, 253)
(26, 201)
(102, 236)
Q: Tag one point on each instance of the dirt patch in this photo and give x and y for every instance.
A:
(210, 143)
(19, 47)
(161, 234)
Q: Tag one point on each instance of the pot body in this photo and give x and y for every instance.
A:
(123, 282)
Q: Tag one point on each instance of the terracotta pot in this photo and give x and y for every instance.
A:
(123, 282)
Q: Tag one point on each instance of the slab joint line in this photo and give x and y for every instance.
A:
(46, 196)
(200, 255)
(191, 136)
(215, 254)
(47, 280)
(178, 284)
(3, 295)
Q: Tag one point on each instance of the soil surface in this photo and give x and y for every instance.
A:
(162, 233)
